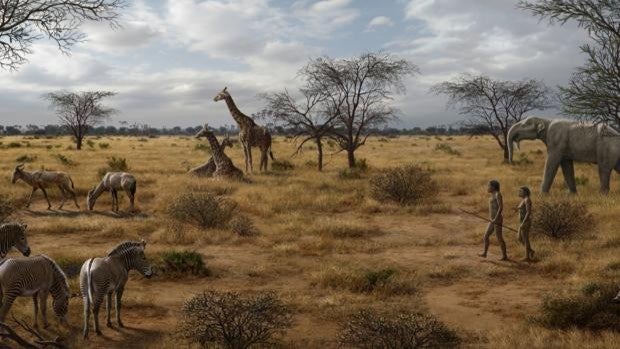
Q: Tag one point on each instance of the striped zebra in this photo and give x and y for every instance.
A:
(13, 235)
(37, 277)
(101, 277)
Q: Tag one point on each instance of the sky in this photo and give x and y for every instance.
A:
(171, 57)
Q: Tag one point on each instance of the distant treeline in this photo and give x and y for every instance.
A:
(145, 130)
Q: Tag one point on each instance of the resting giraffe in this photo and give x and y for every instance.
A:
(207, 169)
(224, 167)
(250, 134)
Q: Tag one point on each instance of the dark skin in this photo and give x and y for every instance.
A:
(496, 223)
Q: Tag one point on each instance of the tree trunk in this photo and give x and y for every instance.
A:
(78, 142)
(351, 157)
(319, 149)
(506, 154)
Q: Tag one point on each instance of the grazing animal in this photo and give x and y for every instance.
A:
(250, 134)
(224, 167)
(101, 277)
(43, 179)
(112, 182)
(13, 235)
(207, 169)
(36, 277)
(568, 142)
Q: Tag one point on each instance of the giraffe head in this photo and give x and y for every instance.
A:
(203, 132)
(222, 95)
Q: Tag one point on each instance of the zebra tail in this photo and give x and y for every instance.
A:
(89, 281)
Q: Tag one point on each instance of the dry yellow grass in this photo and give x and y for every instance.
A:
(319, 232)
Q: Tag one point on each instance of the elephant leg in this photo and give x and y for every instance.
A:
(551, 168)
(568, 169)
(605, 176)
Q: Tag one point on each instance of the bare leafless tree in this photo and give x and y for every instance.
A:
(494, 105)
(307, 114)
(79, 111)
(24, 21)
(593, 92)
(358, 91)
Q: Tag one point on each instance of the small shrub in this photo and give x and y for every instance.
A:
(64, 160)
(90, 143)
(405, 185)
(14, 145)
(381, 282)
(7, 207)
(103, 145)
(311, 164)
(185, 262)
(590, 309)
(362, 165)
(114, 164)
(282, 165)
(446, 148)
(243, 226)
(202, 209)
(562, 219)
(229, 320)
(350, 173)
(369, 329)
(26, 158)
(71, 266)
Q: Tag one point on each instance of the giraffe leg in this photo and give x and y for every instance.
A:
(245, 157)
(250, 158)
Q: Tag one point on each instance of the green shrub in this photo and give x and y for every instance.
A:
(369, 330)
(114, 164)
(103, 145)
(590, 309)
(202, 209)
(26, 158)
(562, 219)
(64, 160)
(185, 262)
(405, 185)
(243, 226)
(230, 320)
(282, 165)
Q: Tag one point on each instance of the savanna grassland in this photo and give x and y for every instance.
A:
(321, 238)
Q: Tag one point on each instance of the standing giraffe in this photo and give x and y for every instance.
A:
(250, 134)
(224, 167)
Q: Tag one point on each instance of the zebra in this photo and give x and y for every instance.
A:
(42, 179)
(13, 235)
(112, 182)
(38, 277)
(100, 277)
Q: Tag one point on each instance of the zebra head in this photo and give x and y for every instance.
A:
(14, 235)
(17, 171)
(133, 257)
(90, 199)
(60, 291)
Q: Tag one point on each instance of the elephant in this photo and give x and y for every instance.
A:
(568, 141)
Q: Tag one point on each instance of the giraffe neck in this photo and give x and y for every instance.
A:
(241, 119)
(216, 149)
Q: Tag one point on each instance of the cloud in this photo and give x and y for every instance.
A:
(380, 21)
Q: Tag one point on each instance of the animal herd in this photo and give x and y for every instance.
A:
(40, 277)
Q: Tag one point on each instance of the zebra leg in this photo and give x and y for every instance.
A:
(112, 194)
(49, 204)
(30, 197)
(130, 196)
(108, 306)
(7, 302)
(96, 306)
(35, 303)
(119, 295)
(43, 303)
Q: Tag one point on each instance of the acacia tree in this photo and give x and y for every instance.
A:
(357, 91)
(24, 21)
(494, 105)
(593, 92)
(307, 114)
(79, 111)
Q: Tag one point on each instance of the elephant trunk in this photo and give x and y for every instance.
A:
(511, 140)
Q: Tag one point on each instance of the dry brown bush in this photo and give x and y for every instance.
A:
(202, 209)
(562, 219)
(405, 185)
